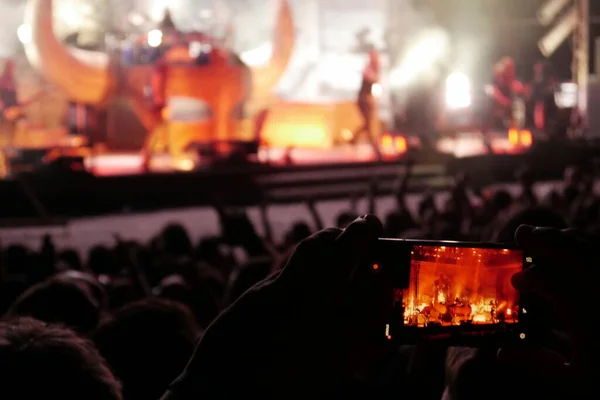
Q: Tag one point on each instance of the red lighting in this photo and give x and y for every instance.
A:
(75, 166)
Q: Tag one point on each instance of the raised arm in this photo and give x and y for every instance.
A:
(314, 213)
(266, 223)
(401, 186)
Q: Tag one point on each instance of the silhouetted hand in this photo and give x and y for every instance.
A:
(304, 331)
(566, 275)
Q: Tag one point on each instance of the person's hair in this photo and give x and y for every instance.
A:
(59, 300)
(147, 345)
(46, 361)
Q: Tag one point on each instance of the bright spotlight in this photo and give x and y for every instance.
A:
(24, 34)
(136, 19)
(421, 57)
(376, 90)
(458, 91)
(155, 38)
(258, 56)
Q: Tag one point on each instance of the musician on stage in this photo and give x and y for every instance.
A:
(8, 102)
(158, 106)
(167, 25)
(503, 90)
(542, 109)
(367, 103)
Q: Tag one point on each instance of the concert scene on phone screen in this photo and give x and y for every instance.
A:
(459, 285)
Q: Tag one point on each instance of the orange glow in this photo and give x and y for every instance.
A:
(401, 145)
(375, 267)
(479, 318)
(299, 125)
(526, 139)
(387, 141)
(166, 113)
(513, 137)
(455, 285)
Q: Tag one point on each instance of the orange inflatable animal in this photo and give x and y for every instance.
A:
(202, 102)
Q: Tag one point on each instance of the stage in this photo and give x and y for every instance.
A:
(460, 146)
(56, 193)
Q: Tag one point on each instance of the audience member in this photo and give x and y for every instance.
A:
(40, 361)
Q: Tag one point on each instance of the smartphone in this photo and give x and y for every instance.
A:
(451, 289)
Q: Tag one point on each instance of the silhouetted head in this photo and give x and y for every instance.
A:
(147, 345)
(176, 240)
(102, 261)
(501, 200)
(40, 361)
(299, 232)
(59, 300)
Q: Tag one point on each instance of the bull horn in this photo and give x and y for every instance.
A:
(264, 78)
(81, 82)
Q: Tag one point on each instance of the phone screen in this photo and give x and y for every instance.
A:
(458, 285)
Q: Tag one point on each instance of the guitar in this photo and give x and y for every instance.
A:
(11, 114)
(513, 115)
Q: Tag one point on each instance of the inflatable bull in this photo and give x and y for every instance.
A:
(203, 101)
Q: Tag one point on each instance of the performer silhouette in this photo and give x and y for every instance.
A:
(8, 101)
(167, 25)
(367, 104)
(503, 91)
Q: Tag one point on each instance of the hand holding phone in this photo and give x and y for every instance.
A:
(450, 288)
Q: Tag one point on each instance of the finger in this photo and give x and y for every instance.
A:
(548, 244)
(309, 261)
(530, 280)
(367, 295)
(354, 243)
(533, 280)
(543, 361)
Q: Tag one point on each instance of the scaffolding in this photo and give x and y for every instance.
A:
(581, 58)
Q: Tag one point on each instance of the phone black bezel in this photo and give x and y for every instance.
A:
(393, 257)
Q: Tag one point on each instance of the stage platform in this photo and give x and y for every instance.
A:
(119, 187)
(461, 146)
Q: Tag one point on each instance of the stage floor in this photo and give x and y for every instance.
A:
(464, 145)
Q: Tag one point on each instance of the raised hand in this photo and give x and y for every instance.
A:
(303, 332)
(565, 274)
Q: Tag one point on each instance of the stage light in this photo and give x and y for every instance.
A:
(195, 49)
(158, 9)
(567, 95)
(458, 91)
(258, 56)
(526, 138)
(136, 19)
(155, 38)
(24, 34)
(377, 90)
(420, 58)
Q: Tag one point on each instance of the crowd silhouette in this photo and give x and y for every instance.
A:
(175, 319)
